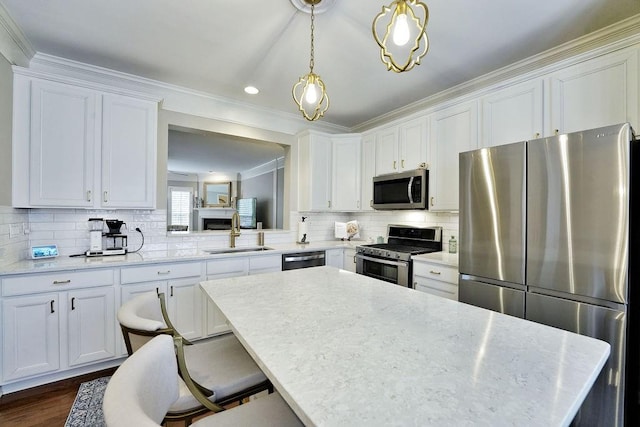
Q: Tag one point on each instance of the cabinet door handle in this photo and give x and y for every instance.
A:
(88, 195)
(61, 282)
(354, 259)
(402, 163)
(432, 201)
(358, 204)
(171, 291)
(394, 165)
(537, 135)
(106, 199)
(158, 291)
(164, 272)
(434, 272)
(73, 303)
(557, 131)
(329, 204)
(52, 310)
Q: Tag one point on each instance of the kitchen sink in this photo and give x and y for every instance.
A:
(234, 250)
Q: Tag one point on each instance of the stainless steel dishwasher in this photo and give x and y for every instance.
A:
(293, 261)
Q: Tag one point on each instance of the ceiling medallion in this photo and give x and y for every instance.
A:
(400, 31)
(310, 92)
(321, 6)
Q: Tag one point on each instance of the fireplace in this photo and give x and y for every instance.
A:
(216, 224)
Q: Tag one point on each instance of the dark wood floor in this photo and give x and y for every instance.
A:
(45, 406)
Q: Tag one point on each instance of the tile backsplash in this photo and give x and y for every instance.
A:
(68, 228)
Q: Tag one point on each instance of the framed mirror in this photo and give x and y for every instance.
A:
(217, 194)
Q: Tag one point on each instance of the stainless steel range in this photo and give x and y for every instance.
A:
(391, 261)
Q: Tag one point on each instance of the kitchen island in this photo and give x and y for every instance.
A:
(346, 349)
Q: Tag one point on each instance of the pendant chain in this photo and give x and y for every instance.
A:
(311, 62)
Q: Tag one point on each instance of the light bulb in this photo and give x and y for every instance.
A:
(401, 30)
(312, 93)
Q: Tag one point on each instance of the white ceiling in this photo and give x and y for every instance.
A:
(221, 46)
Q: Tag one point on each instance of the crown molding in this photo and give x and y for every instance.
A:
(614, 37)
(14, 45)
(178, 98)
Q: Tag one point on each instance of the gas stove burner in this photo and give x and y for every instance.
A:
(405, 241)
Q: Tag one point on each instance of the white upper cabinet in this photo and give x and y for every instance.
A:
(346, 172)
(453, 130)
(329, 172)
(368, 169)
(599, 92)
(512, 114)
(414, 144)
(79, 147)
(314, 172)
(387, 148)
(129, 130)
(402, 147)
(62, 145)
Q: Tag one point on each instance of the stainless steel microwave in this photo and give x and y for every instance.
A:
(404, 190)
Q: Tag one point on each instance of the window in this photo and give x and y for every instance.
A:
(180, 207)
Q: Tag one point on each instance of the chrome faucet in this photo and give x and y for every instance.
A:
(235, 229)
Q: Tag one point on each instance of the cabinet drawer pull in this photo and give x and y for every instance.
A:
(52, 310)
(434, 272)
(164, 272)
(61, 282)
(73, 303)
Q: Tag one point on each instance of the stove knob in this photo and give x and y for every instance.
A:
(388, 254)
(397, 256)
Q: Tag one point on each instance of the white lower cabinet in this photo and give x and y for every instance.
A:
(57, 322)
(349, 260)
(91, 316)
(334, 258)
(436, 279)
(31, 329)
(180, 283)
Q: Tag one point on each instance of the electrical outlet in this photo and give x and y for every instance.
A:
(25, 229)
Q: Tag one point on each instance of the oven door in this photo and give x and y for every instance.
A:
(397, 272)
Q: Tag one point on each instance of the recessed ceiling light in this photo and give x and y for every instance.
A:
(251, 90)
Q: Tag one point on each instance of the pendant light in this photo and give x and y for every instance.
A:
(309, 92)
(400, 32)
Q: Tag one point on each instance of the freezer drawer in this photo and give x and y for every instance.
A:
(492, 297)
(604, 404)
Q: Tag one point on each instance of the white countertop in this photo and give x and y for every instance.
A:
(444, 258)
(346, 349)
(66, 263)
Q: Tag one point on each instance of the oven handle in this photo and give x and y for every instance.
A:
(383, 261)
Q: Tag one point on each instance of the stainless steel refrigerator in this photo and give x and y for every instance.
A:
(546, 235)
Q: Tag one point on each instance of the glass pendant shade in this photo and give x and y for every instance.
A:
(400, 31)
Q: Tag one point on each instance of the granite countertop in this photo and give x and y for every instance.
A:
(346, 349)
(444, 258)
(66, 263)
